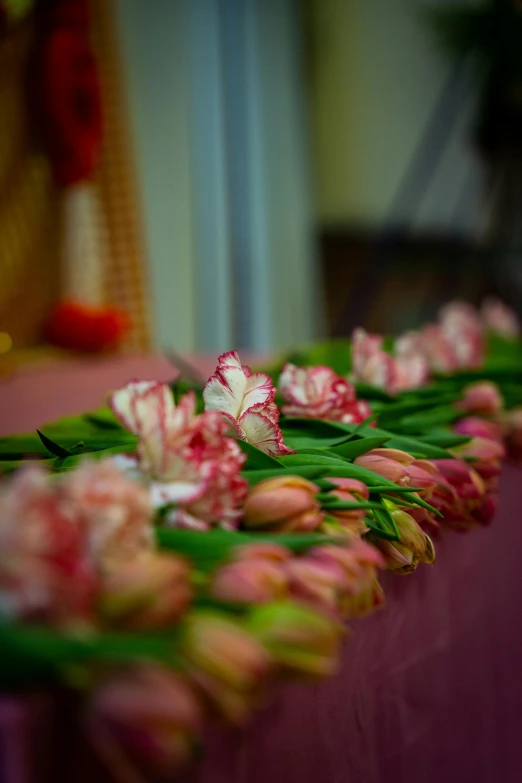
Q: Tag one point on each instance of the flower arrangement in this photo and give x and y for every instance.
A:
(170, 556)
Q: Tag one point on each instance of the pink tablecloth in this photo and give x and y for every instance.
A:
(430, 689)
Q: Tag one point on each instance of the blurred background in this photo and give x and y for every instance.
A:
(197, 175)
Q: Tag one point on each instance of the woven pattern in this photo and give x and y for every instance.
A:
(125, 282)
(31, 231)
(29, 208)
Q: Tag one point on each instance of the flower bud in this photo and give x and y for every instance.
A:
(483, 398)
(414, 546)
(285, 503)
(384, 462)
(149, 591)
(227, 662)
(152, 714)
(301, 640)
(254, 581)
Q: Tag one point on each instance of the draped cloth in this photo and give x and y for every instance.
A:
(429, 689)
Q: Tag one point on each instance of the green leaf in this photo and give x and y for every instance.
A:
(310, 472)
(70, 462)
(355, 448)
(384, 520)
(52, 447)
(210, 549)
(34, 655)
(318, 458)
(257, 458)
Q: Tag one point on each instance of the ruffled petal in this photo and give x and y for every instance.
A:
(258, 430)
(225, 390)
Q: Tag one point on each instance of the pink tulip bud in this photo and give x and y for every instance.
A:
(423, 476)
(482, 449)
(254, 581)
(352, 491)
(360, 591)
(351, 486)
(478, 428)
(301, 640)
(226, 661)
(315, 583)
(265, 551)
(414, 546)
(483, 398)
(152, 714)
(385, 466)
(148, 591)
(286, 503)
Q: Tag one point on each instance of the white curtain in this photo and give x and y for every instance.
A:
(217, 107)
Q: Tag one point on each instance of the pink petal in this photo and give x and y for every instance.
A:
(259, 391)
(225, 390)
(261, 432)
(122, 401)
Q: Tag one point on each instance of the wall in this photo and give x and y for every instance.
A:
(376, 78)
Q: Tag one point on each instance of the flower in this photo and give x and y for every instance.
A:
(149, 590)
(360, 592)
(370, 363)
(319, 393)
(247, 401)
(400, 467)
(480, 428)
(300, 640)
(227, 662)
(483, 398)
(116, 510)
(412, 368)
(152, 714)
(373, 365)
(188, 459)
(497, 317)
(414, 546)
(46, 572)
(391, 464)
(315, 583)
(438, 349)
(460, 495)
(461, 325)
(351, 491)
(284, 503)
(486, 456)
(255, 580)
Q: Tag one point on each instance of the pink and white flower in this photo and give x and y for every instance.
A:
(46, 572)
(411, 365)
(188, 458)
(319, 393)
(439, 350)
(373, 365)
(370, 362)
(247, 401)
(499, 318)
(461, 324)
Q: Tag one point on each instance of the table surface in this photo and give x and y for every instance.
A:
(430, 688)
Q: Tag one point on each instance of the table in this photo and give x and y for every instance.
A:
(429, 690)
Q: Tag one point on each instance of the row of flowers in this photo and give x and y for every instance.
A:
(228, 541)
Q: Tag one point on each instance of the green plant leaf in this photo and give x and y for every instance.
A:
(257, 458)
(52, 447)
(210, 549)
(310, 472)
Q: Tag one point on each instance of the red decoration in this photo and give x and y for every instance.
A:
(70, 105)
(77, 327)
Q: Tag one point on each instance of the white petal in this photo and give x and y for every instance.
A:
(225, 390)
